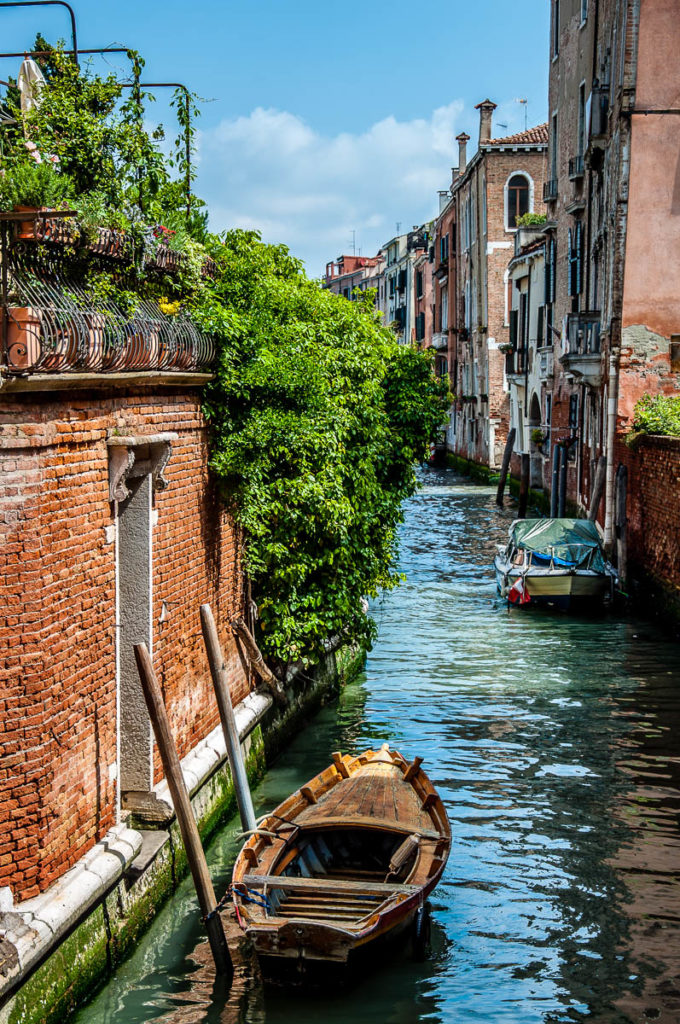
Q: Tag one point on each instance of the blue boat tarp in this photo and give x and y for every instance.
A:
(566, 542)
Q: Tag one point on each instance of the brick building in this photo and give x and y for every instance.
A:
(473, 243)
(349, 272)
(112, 534)
(613, 244)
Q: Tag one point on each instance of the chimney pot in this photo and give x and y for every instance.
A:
(486, 109)
(462, 141)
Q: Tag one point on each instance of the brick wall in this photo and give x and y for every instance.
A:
(653, 508)
(58, 716)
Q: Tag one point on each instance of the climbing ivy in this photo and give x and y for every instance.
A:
(317, 418)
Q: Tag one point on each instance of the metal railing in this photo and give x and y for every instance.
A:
(60, 328)
(575, 167)
(549, 190)
(583, 333)
(515, 362)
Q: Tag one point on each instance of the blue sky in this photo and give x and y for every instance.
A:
(322, 120)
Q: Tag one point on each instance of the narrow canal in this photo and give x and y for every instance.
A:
(554, 743)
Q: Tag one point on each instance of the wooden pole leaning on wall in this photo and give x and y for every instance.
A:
(524, 487)
(183, 810)
(229, 727)
(257, 662)
(505, 465)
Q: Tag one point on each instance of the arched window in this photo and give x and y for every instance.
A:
(517, 199)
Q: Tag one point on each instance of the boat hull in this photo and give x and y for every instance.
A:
(340, 871)
(556, 589)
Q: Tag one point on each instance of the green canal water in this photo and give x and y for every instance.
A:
(553, 741)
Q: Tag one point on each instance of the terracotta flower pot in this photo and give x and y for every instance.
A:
(96, 327)
(24, 332)
(26, 228)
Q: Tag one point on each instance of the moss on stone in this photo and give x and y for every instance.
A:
(475, 470)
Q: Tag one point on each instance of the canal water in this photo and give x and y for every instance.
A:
(553, 741)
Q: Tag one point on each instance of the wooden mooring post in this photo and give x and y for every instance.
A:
(183, 810)
(598, 488)
(505, 465)
(524, 486)
(229, 728)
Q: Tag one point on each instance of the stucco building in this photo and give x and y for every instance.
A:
(473, 243)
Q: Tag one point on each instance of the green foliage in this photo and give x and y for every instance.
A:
(317, 418)
(36, 185)
(658, 414)
(530, 219)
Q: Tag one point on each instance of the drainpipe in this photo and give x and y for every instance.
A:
(612, 403)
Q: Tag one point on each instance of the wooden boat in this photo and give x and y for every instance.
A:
(342, 866)
(555, 562)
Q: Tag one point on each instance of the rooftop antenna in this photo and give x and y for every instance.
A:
(525, 103)
(499, 124)
(398, 226)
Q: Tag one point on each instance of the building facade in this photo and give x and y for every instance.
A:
(611, 196)
(474, 241)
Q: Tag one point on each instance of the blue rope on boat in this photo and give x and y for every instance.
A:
(254, 897)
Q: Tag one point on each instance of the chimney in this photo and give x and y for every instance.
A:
(486, 109)
(444, 197)
(462, 141)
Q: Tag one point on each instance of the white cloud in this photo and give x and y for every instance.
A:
(272, 171)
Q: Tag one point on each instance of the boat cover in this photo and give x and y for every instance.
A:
(569, 541)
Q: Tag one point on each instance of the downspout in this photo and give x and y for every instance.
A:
(612, 405)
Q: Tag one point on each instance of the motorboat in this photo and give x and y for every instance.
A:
(555, 562)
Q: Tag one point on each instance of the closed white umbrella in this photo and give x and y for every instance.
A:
(30, 83)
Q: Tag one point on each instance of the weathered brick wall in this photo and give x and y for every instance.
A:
(58, 714)
(653, 507)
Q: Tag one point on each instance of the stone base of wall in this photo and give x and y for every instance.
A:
(96, 940)
(475, 470)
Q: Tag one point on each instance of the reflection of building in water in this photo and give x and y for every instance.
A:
(647, 863)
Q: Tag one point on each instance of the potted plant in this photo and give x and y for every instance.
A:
(33, 188)
(537, 437)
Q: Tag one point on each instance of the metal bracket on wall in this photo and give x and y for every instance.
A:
(132, 457)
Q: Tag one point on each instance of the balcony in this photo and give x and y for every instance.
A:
(440, 340)
(582, 357)
(575, 168)
(50, 324)
(516, 363)
(550, 190)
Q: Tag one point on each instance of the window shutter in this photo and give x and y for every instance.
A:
(552, 269)
(578, 259)
(539, 327)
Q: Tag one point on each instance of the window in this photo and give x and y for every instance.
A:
(517, 199)
(445, 309)
(419, 284)
(581, 140)
(553, 149)
(573, 412)
(444, 248)
(555, 28)
(539, 326)
(584, 11)
(420, 326)
(576, 259)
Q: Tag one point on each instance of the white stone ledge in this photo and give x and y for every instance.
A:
(207, 755)
(36, 926)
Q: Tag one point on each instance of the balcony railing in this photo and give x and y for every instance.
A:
(575, 168)
(583, 333)
(549, 190)
(49, 323)
(516, 362)
(440, 340)
(53, 328)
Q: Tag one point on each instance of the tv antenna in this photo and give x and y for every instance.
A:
(398, 226)
(525, 104)
(354, 242)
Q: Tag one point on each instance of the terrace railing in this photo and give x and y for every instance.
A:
(52, 324)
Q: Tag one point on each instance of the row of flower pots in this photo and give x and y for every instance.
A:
(30, 345)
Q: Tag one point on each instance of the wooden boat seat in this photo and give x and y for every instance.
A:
(319, 885)
(318, 820)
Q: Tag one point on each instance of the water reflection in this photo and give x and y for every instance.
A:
(553, 741)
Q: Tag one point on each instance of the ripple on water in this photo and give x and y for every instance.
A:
(554, 743)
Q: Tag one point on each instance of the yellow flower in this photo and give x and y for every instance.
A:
(169, 308)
